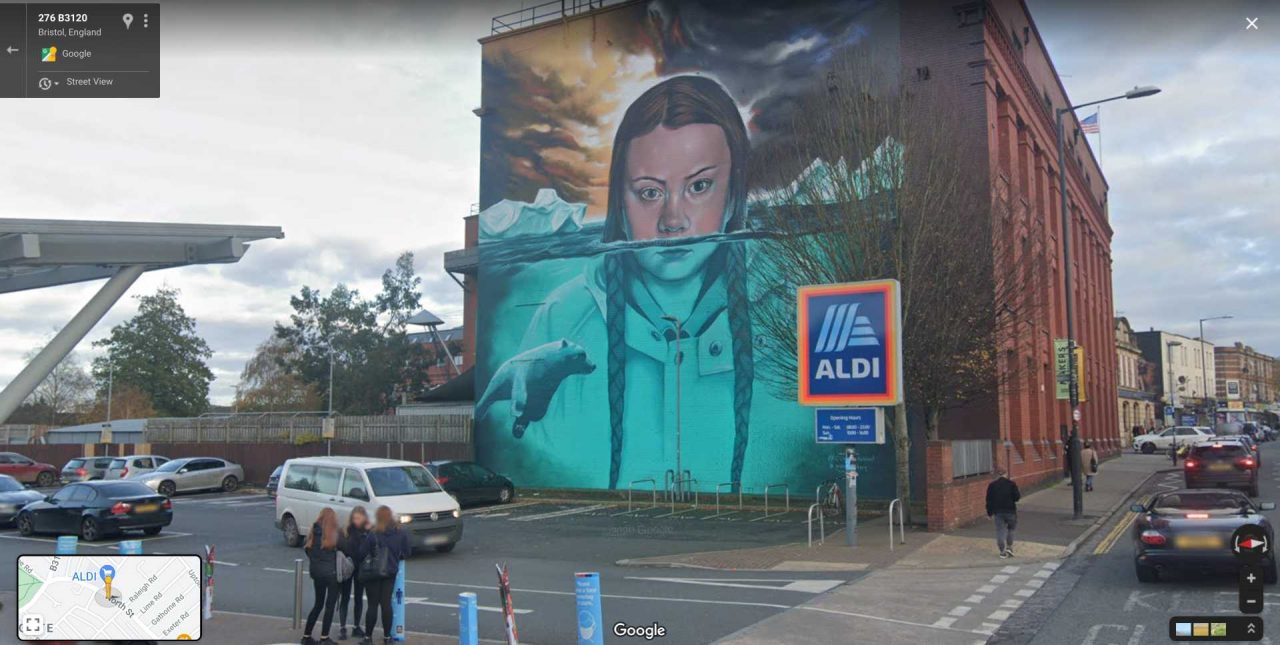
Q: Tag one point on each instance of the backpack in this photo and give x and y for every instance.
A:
(344, 566)
(377, 565)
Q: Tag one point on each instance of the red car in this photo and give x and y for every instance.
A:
(26, 470)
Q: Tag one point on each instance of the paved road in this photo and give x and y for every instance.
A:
(1095, 598)
(543, 543)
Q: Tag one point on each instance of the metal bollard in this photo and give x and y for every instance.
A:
(468, 633)
(297, 593)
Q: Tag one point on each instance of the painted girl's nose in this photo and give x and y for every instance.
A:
(673, 220)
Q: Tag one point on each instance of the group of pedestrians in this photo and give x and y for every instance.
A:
(359, 560)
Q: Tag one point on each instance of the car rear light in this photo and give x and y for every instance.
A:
(1197, 516)
(124, 473)
(168, 505)
(81, 471)
(1153, 538)
(1191, 464)
(442, 480)
(1246, 462)
(121, 508)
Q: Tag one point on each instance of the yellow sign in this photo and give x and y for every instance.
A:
(1235, 405)
(1080, 373)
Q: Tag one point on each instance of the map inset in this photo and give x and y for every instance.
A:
(109, 597)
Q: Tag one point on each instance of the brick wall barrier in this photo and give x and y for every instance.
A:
(951, 502)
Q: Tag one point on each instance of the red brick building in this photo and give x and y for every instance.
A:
(991, 56)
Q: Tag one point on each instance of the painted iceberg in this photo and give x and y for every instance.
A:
(547, 214)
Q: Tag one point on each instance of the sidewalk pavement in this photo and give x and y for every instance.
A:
(229, 627)
(906, 595)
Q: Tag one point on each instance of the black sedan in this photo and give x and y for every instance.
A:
(273, 482)
(1191, 530)
(96, 509)
(471, 483)
(13, 496)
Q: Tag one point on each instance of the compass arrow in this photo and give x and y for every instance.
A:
(11, 49)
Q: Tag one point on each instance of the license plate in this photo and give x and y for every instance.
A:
(146, 508)
(1198, 542)
(1219, 467)
(432, 540)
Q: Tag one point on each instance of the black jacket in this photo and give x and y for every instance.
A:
(324, 562)
(351, 545)
(396, 541)
(1002, 496)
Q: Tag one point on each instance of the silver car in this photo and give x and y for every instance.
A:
(193, 473)
(83, 469)
(133, 466)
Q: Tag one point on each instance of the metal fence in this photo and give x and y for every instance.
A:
(970, 457)
(17, 432)
(453, 428)
(545, 12)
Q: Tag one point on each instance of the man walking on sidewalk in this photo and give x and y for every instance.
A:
(1002, 505)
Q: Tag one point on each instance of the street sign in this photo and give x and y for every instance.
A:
(850, 343)
(849, 425)
(1075, 414)
(1061, 369)
(1188, 419)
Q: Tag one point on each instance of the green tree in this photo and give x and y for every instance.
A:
(159, 353)
(374, 363)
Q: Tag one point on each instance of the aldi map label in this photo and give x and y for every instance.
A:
(108, 597)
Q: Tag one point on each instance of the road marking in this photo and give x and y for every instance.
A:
(959, 611)
(1025, 593)
(1115, 534)
(504, 507)
(570, 593)
(488, 515)
(1000, 615)
(1051, 565)
(454, 605)
(882, 619)
(986, 588)
(280, 570)
(975, 599)
(220, 563)
(945, 621)
(547, 516)
(806, 586)
(988, 628)
(1010, 570)
(1000, 579)
(1043, 573)
(105, 545)
(1011, 604)
(1034, 584)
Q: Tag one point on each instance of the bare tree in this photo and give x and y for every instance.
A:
(896, 186)
(67, 388)
(266, 385)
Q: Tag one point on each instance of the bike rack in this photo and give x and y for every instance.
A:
(817, 493)
(902, 527)
(667, 479)
(816, 509)
(673, 499)
(718, 487)
(786, 488)
(631, 487)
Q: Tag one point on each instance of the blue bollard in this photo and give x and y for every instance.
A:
(397, 607)
(468, 633)
(130, 547)
(587, 590)
(66, 545)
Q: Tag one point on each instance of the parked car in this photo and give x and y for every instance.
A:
(133, 466)
(14, 496)
(470, 482)
(84, 469)
(97, 509)
(1160, 441)
(308, 484)
(1191, 529)
(27, 471)
(1221, 463)
(193, 473)
(273, 482)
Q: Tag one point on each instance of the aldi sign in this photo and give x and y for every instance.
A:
(850, 343)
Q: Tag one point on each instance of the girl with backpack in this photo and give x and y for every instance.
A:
(322, 548)
(380, 555)
(357, 528)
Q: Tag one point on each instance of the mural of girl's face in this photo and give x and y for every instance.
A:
(677, 183)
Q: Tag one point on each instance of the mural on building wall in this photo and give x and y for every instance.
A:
(615, 337)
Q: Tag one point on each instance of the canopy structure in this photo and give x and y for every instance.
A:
(44, 253)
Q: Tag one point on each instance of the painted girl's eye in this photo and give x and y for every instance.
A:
(700, 186)
(650, 194)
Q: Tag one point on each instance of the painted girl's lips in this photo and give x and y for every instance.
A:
(674, 253)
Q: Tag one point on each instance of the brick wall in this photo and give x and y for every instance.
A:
(951, 502)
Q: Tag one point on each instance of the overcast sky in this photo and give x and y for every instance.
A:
(350, 125)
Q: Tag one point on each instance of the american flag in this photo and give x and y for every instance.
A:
(1089, 125)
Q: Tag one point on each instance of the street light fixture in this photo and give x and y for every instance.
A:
(1213, 414)
(675, 322)
(1077, 492)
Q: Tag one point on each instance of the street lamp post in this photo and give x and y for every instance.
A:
(1173, 396)
(1077, 492)
(1213, 414)
(675, 322)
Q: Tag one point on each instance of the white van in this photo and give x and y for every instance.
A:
(308, 484)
